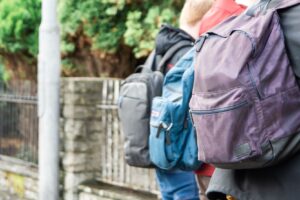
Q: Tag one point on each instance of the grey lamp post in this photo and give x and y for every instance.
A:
(48, 102)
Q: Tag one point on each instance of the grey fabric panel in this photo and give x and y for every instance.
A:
(265, 183)
(136, 145)
(280, 182)
(273, 151)
(290, 22)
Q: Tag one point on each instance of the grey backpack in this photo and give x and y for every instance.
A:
(134, 106)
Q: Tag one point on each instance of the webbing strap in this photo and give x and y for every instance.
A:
(170, 53)
(262, 5)
(285, 4)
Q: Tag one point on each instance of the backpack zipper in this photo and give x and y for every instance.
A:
(253, 82)
(219, 110)
(167, 128)
(200, 42)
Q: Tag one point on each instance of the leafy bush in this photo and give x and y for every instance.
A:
(90, 29)
(109, 23)
(4, 76)
(19, 23)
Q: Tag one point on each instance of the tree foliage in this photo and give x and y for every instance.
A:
(100, 27)
(110, 23)
(4, 76)
(19, 23)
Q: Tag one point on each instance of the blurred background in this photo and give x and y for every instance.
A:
(102, 41)
(98, 37)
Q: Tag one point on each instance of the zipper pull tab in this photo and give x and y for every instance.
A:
(158, 130)
(185, 124)
(200, 42)
(168, 138)
(168, 134)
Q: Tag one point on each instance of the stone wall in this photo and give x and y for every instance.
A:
(94, 190)
(18, 180)
(91, 151)
(81, 133)
(91, 140)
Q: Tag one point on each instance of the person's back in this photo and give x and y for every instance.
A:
(220, 11)
(280, 181)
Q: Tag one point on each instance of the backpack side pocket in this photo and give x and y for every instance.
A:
(162, 152)
(134, 115)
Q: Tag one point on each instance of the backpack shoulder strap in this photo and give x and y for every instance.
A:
(149, 64)
(170, 53)
(284, 4)
(262, 5)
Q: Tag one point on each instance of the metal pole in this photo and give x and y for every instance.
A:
(48, 98)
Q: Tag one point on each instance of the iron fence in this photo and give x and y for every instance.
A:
(19, 121)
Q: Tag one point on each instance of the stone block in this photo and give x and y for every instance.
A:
(88, 196)
(70, 195)
(79, 146)
(95, 126)
(31, 185)
(91, 99)
(72, 180)
(94, 190)
(71, 159)
(30, 195)
(82, 85)
(95, 136)
(75, 129)
(78, 112)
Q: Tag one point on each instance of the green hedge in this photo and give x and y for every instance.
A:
(104, 24)
(109, 23)
(19, 23)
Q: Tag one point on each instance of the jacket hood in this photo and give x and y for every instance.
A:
(168, 36)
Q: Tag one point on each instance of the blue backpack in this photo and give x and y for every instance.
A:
(172, 142)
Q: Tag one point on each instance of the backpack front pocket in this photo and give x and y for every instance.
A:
(162, 151)
(226, 126)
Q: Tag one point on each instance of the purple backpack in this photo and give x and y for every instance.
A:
(245, 104)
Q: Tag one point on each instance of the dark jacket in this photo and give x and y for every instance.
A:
(280, 182)
(166, 39)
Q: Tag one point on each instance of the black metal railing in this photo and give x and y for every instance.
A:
(19, 120)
